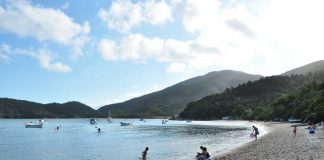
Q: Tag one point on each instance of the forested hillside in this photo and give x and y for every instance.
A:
(251, 100)
(12, 108)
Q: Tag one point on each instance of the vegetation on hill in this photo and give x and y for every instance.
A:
(12, 108)
(174, 99)
(306, 103)
(263, 99)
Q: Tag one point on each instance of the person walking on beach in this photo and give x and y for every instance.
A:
(144, 153)
(256, 132)
(295, 130)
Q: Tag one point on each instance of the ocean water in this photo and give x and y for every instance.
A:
(78, 140)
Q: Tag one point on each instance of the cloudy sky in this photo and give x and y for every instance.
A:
(102, 51)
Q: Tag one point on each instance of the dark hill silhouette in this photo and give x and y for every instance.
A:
(13, 108)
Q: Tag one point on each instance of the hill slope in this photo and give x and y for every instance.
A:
(173, 99)
(308, 68)
(12, 108)
(247, 101)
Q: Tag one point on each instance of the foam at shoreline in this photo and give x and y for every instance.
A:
(263, 130)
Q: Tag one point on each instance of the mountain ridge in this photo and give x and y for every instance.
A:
(316, 66)
(164, 104)
(173, 99)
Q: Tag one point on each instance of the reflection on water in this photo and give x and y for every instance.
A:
(77, 139)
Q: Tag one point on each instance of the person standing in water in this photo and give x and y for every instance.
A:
(99, 130)
(144, 153)
(256, 132)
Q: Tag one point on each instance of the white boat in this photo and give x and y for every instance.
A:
(43, 120)
(125, 124)
(291, 120)
(93, 121)
(38, 124)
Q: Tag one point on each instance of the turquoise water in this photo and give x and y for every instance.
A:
(78, 140)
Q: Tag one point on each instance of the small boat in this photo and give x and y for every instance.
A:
(38, 124)
(93, 121)
(143, 120)
(43, 120)
(125, 124)
(291, 120)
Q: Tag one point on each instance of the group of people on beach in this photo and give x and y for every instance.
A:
(203, 155)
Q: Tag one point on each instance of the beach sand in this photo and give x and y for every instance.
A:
(280, 144)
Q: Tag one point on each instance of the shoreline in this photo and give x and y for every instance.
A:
(279, 143)
(262, 127)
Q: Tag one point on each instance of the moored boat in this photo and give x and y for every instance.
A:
(125, 124)
(292, 120)
(93, 121)
(34, 124)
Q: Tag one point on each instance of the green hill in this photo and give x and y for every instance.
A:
(70, 109)
(317, 66)
(257, 100)
(172, 100)
(247, 101)
(12, 108)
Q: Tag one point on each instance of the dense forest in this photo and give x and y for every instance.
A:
(306, 103)
(297, 96)
(12, 108)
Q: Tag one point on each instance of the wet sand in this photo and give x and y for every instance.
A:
(280, 144)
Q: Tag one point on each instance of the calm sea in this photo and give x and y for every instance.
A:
(78, 140)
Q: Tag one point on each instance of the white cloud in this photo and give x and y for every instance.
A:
(264, 37)
(180, 55)
(46, 61)
(123, 15)
(44, 56)
(5, 51)
(65, 6)
(286, 34)
(44, 24)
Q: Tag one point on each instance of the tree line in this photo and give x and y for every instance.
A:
(297, 96)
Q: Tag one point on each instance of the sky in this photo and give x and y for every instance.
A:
(102, 52)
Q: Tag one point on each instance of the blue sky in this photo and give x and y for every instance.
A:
(102, 52)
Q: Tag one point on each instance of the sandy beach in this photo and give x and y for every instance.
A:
(280, 144)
